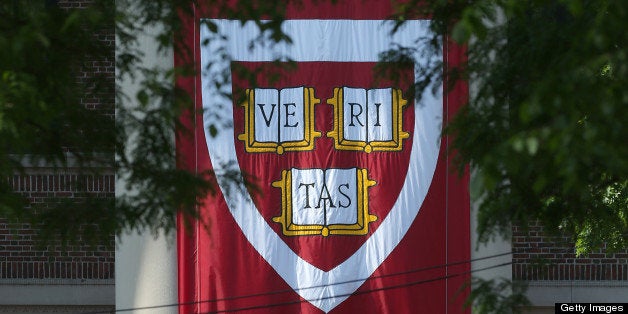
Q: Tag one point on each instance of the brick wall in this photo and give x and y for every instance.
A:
(537, 256)
(100, 69)
(103, 71)
(21, 254)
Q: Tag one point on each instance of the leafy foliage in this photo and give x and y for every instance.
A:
(158, 183)
(57, 111)
(48, 69)
(544, 129)
(488, 296)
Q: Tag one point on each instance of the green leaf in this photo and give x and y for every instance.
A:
(213, 131)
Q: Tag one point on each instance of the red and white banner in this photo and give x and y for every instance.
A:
(354, 206)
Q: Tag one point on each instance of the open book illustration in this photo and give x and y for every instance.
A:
(368, 119)
(279, 120)
(324, 201)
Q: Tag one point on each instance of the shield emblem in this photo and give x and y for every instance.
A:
(343, 160)
(326, 185)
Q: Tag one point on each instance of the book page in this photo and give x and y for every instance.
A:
(354, 114)
(266, 115)
(292, 115)
(380, 111)
(342, 186)
(307, 206)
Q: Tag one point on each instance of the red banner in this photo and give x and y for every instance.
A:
(353, 203)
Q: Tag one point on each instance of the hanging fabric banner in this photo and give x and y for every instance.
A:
(351, 203)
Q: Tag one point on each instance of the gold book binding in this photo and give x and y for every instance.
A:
(368, 120)
(324, 202)
(279, 120)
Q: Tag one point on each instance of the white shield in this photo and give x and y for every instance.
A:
(323, 40)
